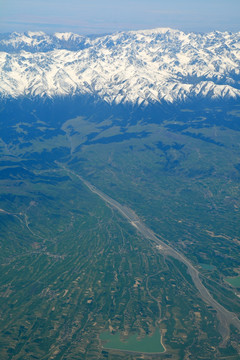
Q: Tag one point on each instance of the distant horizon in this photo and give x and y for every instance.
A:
(113, 32)
(109, 16)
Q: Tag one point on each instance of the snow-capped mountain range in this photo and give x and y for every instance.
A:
(136, 67)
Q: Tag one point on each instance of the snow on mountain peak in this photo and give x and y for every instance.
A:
(63, 36)
(135, 67)
(35, 33)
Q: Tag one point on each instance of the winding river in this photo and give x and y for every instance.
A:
(225, 317)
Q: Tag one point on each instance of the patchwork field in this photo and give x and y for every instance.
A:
(73, 268)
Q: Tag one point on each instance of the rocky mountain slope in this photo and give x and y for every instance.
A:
(136, 67)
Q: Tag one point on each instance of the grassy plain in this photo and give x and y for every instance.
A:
(234, 281)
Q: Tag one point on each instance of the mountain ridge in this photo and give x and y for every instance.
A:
(135, 67)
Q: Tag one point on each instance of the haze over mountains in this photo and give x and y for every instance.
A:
(136, 67)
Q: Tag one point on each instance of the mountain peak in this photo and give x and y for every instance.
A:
(35, 33)
(161, 30)
(66, 36)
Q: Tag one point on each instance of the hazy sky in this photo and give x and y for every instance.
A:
(104, 16)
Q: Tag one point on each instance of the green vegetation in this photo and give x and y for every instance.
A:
(234, 281)
(207, 266)
(149, 344)
(72, 268)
